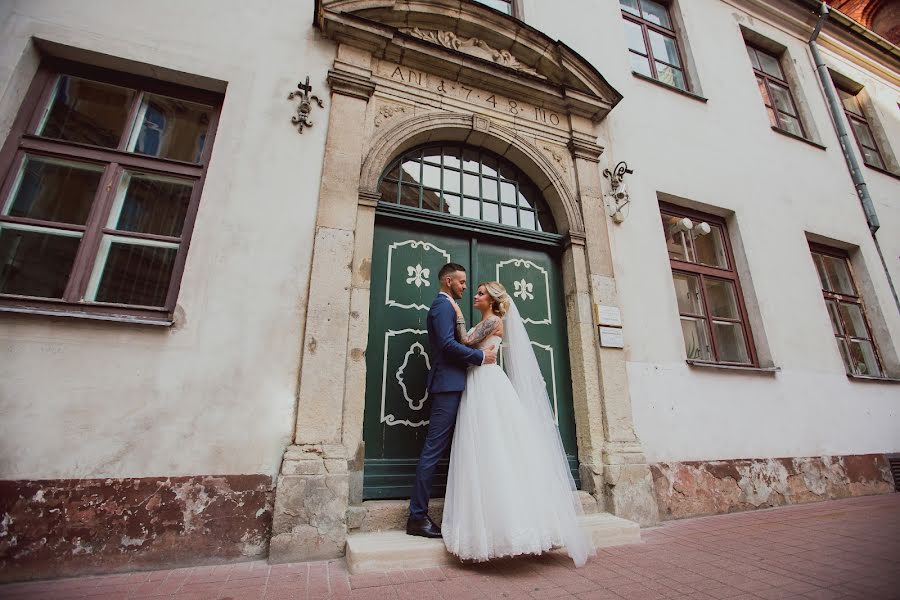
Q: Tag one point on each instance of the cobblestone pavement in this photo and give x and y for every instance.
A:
(827, 550)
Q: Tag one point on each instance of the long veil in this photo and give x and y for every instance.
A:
(524, 373)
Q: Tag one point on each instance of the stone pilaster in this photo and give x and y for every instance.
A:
(313, 491)
(627, 483)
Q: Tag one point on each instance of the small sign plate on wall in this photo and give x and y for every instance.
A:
(611, 337)
(607, 316)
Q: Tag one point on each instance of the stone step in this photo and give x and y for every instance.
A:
(391, 550)
(388, 515)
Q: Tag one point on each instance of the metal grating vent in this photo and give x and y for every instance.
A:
(894, 461)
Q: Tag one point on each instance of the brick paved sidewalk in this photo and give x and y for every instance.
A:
(827, 550)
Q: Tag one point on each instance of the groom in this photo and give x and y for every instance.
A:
(446, 381)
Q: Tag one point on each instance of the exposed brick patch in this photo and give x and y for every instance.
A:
(51, 528)
(686, 489)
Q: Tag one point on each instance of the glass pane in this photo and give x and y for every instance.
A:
(671, 76)
(34, 262)
(507, 192)
(849, 101)
(763, 91)
(862, 359)
(411, 171)
(87, 112)
(751, 52)
(710, 248)
(471, 209)
(431, 199)
(782, 98)
(676, 240)
(835, 319)
(409, 195)
(863, 133)
(854, 323)
(845, 354)
(696, 339)
(501, 5)
(640, 64)
(431, 176)
(489, 188)
(527, 220)
(635, 37)
(523, 198)
(837, 275)
(432, 155)
(135, 274)
(171, 128)
(54, 190)
(664, 48)
(769, 65)
(721, 299)
(687, 292)
(452, 181)
(508, 215)
(452, 157)
(545, 221)
(393, 173)
(470, 185)
(630, 6)
(389, 191)
(730, 342)
(490, 166)
(151, 204)
(871, 157)
(491, 212)
(791, 124)
(656, 13)
(470, 161)
(451, 204)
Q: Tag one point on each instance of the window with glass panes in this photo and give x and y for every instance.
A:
(652, 43)
(466, 182)
(504, 6)
(710, 303)
(102, 177)
(861, 130)
(846, 312)
(775, 91)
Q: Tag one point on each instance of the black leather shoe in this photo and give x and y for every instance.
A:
(423, 527)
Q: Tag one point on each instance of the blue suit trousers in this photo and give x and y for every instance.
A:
(444, 406)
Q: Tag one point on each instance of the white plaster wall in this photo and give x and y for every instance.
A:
(723, 153)
(214, 394)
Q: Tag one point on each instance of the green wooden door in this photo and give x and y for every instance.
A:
(405, 263)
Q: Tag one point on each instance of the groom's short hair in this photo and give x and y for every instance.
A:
(450, 269)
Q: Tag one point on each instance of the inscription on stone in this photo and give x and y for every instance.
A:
(453, 89)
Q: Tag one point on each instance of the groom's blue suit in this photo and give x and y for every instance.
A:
(446, 381)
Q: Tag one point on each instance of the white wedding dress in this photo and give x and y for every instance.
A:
(509, 489)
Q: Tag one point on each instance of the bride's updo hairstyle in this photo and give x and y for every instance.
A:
(499, 297)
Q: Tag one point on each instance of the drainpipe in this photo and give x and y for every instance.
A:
(837, 116)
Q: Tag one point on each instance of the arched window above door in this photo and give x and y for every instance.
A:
(466, 182)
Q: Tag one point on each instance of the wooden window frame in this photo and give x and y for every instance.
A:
(702, 272)
(770, 80)
(860, 117)
(114, 161)
(856, 299)
(647, 26)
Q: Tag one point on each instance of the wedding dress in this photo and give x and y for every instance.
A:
(509, 488)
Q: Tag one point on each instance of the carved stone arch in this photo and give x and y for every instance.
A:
(479, 132)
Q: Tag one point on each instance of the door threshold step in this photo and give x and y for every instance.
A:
(391, 550)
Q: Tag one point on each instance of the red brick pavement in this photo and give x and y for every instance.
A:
(823, 551)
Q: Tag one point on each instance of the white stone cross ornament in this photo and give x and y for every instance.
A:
(418, 276)
(523, 289)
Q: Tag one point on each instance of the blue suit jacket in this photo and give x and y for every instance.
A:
(448, 357)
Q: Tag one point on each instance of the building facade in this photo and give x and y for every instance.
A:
(214, 279)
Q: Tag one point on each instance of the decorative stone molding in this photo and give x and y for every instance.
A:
(585, 150)
(388, 111)
(557, 155)
(369, 198)
(471, 46)
(350, 84)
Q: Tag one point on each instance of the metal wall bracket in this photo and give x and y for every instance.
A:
(302, 119)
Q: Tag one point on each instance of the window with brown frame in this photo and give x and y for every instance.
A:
(775, 91)
(713, 316)
(652, 42)
(861, 130)
(846, 312)
(504, 6)
(102, 174)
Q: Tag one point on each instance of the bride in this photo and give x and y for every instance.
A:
(509, 489)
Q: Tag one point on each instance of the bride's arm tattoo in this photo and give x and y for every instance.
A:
(481, 331)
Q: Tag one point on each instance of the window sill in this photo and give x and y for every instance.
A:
(798, 137)
(670, 87)
(743, 369)
(873, 379)
(162, 320)
(883, 171)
